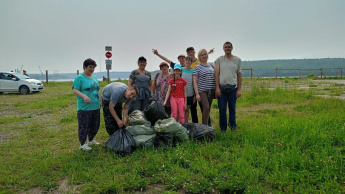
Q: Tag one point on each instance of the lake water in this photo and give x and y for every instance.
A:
(71, 80)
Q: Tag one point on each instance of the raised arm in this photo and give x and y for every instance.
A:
(155, 51)
(211, 51)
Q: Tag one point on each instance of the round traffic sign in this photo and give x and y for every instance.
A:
(108, 54)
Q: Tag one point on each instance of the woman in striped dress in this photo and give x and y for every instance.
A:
(204, 85)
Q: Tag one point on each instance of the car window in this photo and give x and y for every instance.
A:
(7, 76)
(21, 76)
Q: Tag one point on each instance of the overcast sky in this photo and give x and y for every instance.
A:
(59, 35)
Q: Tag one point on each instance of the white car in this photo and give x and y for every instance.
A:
(16, 82)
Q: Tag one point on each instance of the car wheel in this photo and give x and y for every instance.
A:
(24, 90)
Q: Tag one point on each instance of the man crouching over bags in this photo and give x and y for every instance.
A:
(113, 96)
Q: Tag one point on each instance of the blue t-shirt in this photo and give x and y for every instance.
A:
(89, 87)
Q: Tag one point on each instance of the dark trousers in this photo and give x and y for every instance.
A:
(194, 112)
(110, 123)
(230, 100)
(88, 124)
(206, 102)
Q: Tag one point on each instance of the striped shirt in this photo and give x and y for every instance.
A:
(188, 76)
(205, 75)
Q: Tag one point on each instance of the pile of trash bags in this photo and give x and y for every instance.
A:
(154, 128)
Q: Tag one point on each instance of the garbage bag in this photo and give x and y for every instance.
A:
(136, 130)
(145, 140)
(121, 142)
(173, 127)
(138, 118)
(154, 112)
(165, 140)
(200, 131)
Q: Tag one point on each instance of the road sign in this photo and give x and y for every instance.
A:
(108, 48)
(108, 62)
(108, 54)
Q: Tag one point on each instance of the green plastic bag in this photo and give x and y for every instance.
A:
(138, 118)
(136, 130)
(144, 140)
(173, 127)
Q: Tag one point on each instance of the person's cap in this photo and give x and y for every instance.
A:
(178, 66)
(182, 55)
(141, 59)
(190, 48)
(163, 63)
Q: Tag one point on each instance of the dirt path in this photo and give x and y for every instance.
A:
(332, 81)
(342, 96)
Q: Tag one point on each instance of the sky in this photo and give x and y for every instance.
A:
(59, 35)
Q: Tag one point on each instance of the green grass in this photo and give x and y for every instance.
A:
(289, 141)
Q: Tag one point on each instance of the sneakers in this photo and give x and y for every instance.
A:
(92, 143)
(85, 147)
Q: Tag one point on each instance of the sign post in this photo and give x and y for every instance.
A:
(108, 61)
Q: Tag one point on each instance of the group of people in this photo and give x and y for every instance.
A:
(194, 80)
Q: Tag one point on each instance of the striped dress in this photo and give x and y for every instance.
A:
(205, 75)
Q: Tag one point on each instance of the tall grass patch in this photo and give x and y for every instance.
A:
(288, 141)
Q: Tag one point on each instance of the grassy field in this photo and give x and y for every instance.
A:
(291, 139)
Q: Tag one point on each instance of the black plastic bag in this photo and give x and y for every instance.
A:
(154, 112)
(121, 142)
(200, 132)
(165, 140)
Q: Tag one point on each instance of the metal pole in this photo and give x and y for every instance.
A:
(47, 76)
(108, 75)
(276, 73)
(77, 72)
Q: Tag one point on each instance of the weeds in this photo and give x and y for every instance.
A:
(288, 141)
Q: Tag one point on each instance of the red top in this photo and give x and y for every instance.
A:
(177, 87)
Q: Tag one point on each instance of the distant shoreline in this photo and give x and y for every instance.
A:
(71, 80)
